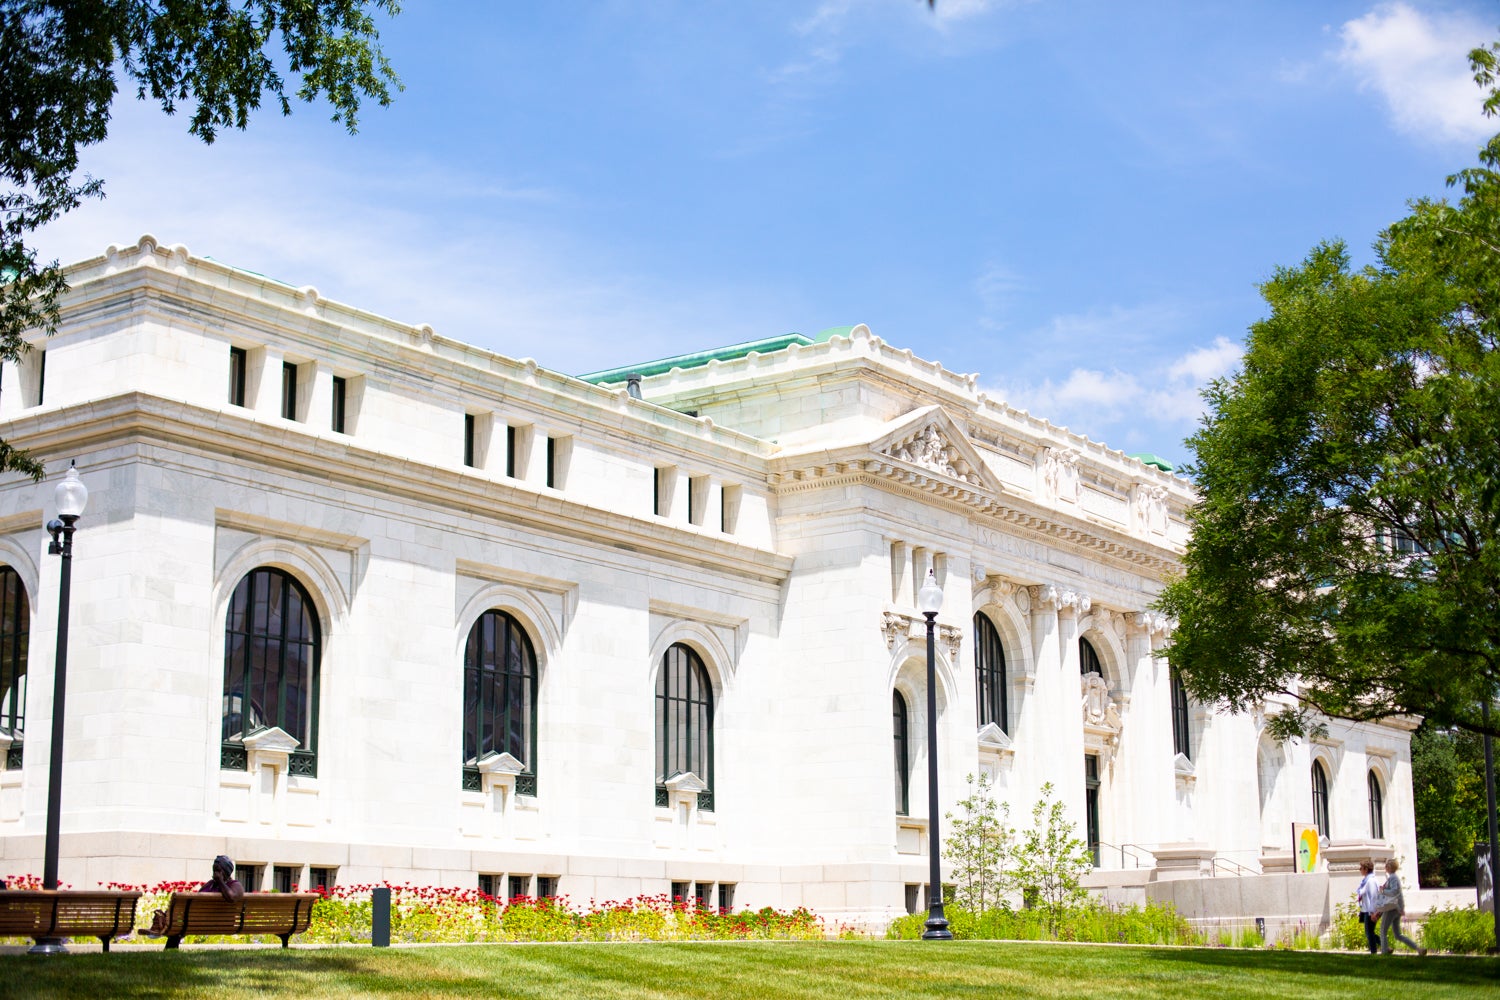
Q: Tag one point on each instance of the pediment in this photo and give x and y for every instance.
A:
(686, 782)
(500, 763)
(929, 439)
(994, 740)
(272, 739)
(1184, 769)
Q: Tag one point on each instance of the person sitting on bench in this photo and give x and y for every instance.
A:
(223, 882)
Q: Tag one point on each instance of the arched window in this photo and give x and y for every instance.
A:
(1088, 660)
(1320, 798)
(499, 697)
(989, 674)
(1377, 808)
(903, 756)
(271, 656)
(1180, 731)
(684, 722)
(15, 635)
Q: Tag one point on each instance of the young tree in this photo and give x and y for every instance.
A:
(1047, 863)
(1447, 770)
(60, 61)
(978, 846)
(1346, 545)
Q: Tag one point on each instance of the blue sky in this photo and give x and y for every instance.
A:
(1076, 200)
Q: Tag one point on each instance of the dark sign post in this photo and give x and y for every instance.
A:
(380, 917)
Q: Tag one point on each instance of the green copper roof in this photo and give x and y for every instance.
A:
(1146, 458)
(696, 360)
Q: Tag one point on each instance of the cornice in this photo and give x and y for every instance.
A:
(245, 441)
(928, 487)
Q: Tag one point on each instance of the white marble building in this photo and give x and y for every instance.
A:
(705, 600)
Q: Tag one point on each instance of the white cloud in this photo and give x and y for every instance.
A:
(1418, 62)
(415, 240)
(1207, 363)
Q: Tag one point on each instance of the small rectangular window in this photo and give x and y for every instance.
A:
(681, 892)
(239, 362)
(487, 883)
(340, 403)
(469, 430)
(913, 898)
(559, 454)
(546, 886)
(729, 509)
(703, 895)
(287, 877)
(250, 876)
(288, 390)
(726, 896)
(551, 463)
(510, 452)
(518, 885)
(322, 879)
(661, 498)
(41, 375)
(697, 498)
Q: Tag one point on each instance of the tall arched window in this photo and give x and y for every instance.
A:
(1180, 731)
(1320, 798)
(989, 674)
(271, 656)
(499, 697)
(684, 722)
(903, 755)
(1088, 660)
(1377, 808)
(15, 637)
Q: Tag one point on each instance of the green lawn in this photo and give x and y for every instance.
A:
(844, 970)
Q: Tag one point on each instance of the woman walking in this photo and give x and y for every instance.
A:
(1392, 907)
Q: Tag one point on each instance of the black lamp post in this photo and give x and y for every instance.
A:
(72, 496)
(929, 600)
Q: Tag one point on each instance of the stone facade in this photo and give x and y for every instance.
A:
(773, 512)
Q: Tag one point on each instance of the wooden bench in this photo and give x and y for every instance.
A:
(63, 913)
(280, 913)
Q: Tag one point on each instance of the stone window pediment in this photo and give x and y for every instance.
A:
(270, 747)
(992, 739)
(1184, 769)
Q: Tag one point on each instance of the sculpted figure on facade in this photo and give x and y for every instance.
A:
(1101, 718)
(1060, 473)
(928, 449)
(1150, 509)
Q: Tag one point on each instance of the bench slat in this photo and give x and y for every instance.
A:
(67, 913)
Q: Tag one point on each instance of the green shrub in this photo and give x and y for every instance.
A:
(1153, 923)
(1463, 930)
(1346, 931)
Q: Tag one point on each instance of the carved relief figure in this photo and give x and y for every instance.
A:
(1060, 472)
(1151, 509)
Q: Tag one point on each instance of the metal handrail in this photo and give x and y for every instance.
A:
(1232, 867)
(1140, 854)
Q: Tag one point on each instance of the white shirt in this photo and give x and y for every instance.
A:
(1369, 888)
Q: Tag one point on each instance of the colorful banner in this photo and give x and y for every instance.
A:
(1307, 846)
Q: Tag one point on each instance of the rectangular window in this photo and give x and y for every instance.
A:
(697, 498)
(469, 430)
(726, 896)
(510, 452)
(288, 390)
(322, 878)
(703, 895)
(661, 498)
(41, 376)
(681, 892)
(913, 898)
(340, 403)
(487, 883)
(287, 877)
(239, 362)
(546, 886)
(729, 509)
(518, 885)
(552, 463)
(250, 876)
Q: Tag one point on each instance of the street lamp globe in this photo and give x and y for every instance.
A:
(72, 496)
(930, 597)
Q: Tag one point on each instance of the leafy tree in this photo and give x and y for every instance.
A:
(1346, 544)
(1448, 799)
(978, 846)
(1047, 863)
(60, 63)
